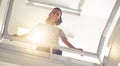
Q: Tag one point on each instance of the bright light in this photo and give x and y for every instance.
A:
(21, 31)
(106, 52)
(119, 64)
(37, 36)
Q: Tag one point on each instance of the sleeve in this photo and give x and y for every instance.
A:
(62, 35)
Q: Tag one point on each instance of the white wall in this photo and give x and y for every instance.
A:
(114, 55)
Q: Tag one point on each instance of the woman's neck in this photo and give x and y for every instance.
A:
(50, 23)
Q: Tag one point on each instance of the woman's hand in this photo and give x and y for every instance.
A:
(15, 35)
(80, 49)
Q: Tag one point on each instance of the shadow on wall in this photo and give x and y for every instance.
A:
(0, 2)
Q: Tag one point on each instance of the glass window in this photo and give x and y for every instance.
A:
(24, 17)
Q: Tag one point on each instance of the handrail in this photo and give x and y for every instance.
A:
(42, 55)
(69, 50)
(76, 51)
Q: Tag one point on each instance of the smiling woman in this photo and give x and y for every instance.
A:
(47, 35)
(27, 16)
(90, 31)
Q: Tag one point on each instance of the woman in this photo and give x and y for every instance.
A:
(52, 33)
(53, 20)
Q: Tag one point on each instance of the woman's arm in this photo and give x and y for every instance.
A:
(68, 43)
(65, 40)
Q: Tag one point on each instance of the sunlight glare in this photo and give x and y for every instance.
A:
(37, 36)
(21, 31)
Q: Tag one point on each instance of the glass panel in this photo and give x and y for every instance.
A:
(24, 17)
(84, 31)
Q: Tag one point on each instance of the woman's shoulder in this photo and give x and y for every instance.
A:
(60, 30)
(40, 24)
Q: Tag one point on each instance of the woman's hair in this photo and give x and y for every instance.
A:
(59, 21)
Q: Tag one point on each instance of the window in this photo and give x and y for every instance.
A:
(72, 6)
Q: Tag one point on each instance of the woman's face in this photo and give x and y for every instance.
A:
(55, 15)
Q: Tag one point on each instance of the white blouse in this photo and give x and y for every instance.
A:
(47, 35)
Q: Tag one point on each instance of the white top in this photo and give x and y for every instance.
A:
(47, 35)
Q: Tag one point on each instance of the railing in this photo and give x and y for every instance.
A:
(20, 45)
